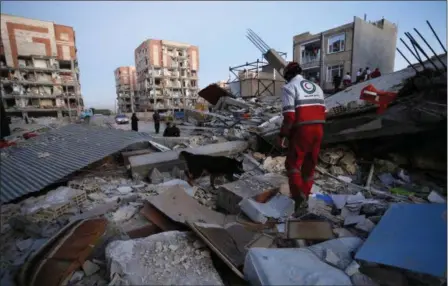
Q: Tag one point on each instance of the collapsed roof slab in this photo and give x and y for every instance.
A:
(166, 161)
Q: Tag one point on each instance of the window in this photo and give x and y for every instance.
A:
(332, 71)
(336, 43)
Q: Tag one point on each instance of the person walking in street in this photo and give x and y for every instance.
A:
(134, 122)
(156, 118)
(303, 107)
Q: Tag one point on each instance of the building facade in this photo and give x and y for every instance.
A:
(167, 75)
(39, 74)
(126, 86)
(346, 49)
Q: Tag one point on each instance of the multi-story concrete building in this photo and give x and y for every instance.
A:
(167, 75)
(126, 84)
(346, 49)
(39, 73)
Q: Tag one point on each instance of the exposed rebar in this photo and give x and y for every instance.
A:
(435, 34)
(256, 44)
(406, 45)
(411, 38)
(407, 60)
(260, 40)
(429, 46)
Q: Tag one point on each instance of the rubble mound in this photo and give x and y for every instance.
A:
(168, 258)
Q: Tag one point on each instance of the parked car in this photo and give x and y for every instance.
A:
(122, 119)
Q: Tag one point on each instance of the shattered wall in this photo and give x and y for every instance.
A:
(374, 46)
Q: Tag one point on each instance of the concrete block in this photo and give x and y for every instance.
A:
(90, 268)
(165, 161)
(230, 195)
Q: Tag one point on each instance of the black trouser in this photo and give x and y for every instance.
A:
(157, 127)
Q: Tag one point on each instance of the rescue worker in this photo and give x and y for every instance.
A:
(302, 129)
(156, 118)
(134, 122)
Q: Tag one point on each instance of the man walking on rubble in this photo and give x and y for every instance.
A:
(303, 108)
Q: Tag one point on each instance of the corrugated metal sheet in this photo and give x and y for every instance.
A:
(70, 148)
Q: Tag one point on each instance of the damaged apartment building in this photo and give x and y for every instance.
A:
(346, 49)
(39, 73)
(167, 75)
(125, 84)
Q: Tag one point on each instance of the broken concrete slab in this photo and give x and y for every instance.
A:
(231, 194)
(167, 258)
(316, 230)
(165, 161)
(158, 218)
(181, 207)
(155, 177)
(128, 154)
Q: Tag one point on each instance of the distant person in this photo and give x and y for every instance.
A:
(347, 80)
(134, 122)
(367, 73)
(166, 132)
(376, 73)
(26, 119)
(337, 82)
(176, 130)
(358, 76)
(171, 130)
(156, 118)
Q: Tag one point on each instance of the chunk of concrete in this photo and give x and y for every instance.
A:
(165, 161)
(155, 177)
(90, 268)
(231, 194)
(151, 261)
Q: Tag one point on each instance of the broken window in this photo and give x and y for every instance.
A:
(333, 71)
(10, 102)
(2, 60)
(157, 81)
(336, 43)
(193, 83)
(65, 65)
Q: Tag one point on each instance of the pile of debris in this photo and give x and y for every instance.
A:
(160, 230)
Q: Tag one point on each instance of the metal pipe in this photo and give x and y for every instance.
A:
(411, 52)
(435, 34)
(411, 38)
(432, 50)
(407, 60)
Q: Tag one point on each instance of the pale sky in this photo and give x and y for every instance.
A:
(107, 33)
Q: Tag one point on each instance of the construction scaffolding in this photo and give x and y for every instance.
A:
(255, 79)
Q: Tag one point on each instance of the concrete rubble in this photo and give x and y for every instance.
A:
(165, 231)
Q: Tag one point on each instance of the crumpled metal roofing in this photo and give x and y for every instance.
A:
(70, 148)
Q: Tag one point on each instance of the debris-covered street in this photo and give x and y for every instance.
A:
(90, 200)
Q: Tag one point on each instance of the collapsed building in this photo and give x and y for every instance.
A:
(38, 68)
(167, 75)
(125, 84)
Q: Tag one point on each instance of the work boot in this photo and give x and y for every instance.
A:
(300, 206)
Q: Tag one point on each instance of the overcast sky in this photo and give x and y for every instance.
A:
(108, 32)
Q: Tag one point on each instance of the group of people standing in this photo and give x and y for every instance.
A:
(171, 129)
(361, 75)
